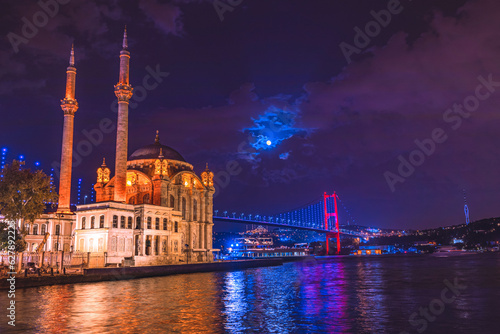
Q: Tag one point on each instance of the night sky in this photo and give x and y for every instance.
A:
(268, 93)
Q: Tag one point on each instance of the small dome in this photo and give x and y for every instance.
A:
(154, 150)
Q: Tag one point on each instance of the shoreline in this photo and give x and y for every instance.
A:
(125, 273)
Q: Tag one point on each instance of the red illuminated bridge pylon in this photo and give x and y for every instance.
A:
(328, 215)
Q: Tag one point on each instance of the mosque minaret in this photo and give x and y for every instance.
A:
(69, 106)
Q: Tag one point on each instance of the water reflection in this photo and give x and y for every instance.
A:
(235, 301)
(324, 297)
(341, 295)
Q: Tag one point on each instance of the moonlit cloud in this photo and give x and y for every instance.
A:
(272, 128)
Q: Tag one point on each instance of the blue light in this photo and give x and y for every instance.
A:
(79, 191)
(37, 163)
(232, 245)
(21, 157)
(4, 153)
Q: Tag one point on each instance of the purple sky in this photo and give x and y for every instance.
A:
(275, 71)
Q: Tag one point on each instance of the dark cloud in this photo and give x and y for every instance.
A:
(349, 122)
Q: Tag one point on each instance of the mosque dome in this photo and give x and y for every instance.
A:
(153, 151)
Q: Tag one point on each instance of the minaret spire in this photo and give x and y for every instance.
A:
(69, 105)
(123, 92)
(157, 138)
(72, 56)
(125, 40)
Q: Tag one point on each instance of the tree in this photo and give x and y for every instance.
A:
(24, 195)
(19, 245)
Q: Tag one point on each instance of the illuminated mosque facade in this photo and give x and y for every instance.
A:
(155, 210)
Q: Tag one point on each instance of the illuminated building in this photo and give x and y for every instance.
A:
(155, 210)
(79, 191)
(4, 154)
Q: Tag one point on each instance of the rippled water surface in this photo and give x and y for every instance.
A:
(335, 295)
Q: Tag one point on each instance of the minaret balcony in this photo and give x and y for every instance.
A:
(69, 106)
(123, 92)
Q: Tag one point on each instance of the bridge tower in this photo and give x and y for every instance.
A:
(327, 216)
(466, 210)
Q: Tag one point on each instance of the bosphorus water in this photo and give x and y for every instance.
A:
(377, 294)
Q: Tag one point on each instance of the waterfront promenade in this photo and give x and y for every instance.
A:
(125, 273)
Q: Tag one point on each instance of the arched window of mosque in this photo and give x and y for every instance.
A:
(115, 221)
(92, 222)
(145, 199)
(84, 219)
(195, 210)
(101, 221)
(129, 222)
(183, 208)
(165, 224)
(44, 229)
(131, 200)
(138, 222)
(172, 201)
(35, 229)
(176, 227)
(149, 223)
(58, 229)
(122, 222)
(27, 228)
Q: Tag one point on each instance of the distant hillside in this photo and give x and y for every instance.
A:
(480, 233)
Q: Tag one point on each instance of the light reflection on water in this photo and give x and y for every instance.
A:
(339, 295)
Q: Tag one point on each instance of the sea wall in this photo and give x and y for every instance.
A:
(115, 274)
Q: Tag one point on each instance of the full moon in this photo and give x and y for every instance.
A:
(268, 143)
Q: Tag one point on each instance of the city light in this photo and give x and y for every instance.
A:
(79, 191)
(4, 154)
